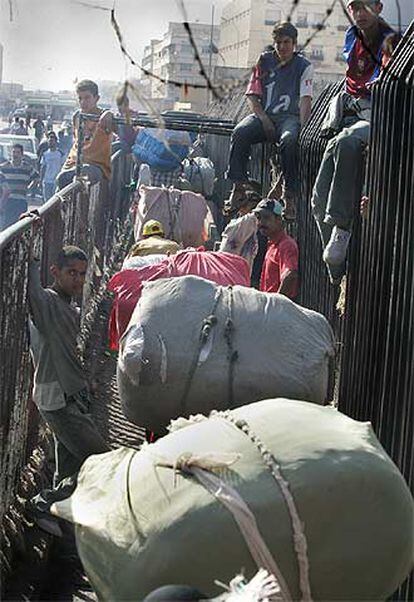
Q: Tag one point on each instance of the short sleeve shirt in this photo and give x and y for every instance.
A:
(280, 87)
(282, 257)
(52, 160)
(18, 178)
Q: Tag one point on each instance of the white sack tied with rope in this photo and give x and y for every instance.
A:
(280, 483)
(193, 346)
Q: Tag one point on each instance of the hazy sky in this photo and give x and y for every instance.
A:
(49, 43)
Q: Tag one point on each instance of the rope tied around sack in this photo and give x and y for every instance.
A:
(202, 469)
(207, 326)
(232, 354)
(299, 537)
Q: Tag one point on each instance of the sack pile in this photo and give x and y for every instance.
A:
(140, 524)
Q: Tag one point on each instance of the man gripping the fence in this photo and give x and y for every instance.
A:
(60, 388)
(279, 95)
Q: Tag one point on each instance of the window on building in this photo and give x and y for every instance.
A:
(317, 19)
(316, 53)
(339, 55)
(186, 67)
(302, 20)
(272, 16)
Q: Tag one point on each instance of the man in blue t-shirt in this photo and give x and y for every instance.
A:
(279, 95)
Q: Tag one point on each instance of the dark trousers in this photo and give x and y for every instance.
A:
(337, 190)
(92, 172)
(11, 211)
(76, 438)
(250, 131)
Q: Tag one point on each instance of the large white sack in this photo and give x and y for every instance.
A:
(282, 350)
(140, 526)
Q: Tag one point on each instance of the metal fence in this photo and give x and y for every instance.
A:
(377, 375)
(93, 220)
(373, 312)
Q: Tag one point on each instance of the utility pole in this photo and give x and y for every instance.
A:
(210, 57)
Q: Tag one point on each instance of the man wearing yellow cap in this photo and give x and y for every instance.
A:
(153, 241)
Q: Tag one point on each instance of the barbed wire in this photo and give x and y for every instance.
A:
(319, 26)
(293, 7)
(187, 27)
(143, 70)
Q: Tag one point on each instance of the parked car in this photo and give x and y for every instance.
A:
(29, 144)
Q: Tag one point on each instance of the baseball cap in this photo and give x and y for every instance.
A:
(269, 205)
(152, 227)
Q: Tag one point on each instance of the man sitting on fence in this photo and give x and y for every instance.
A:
(280, 266)
(60, 388)
(96, 149)
(338, 185)
(279, 94)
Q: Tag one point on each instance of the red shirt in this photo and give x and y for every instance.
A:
(282, 256)
(361, 68)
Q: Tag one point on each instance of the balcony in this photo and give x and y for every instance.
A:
(316, 55)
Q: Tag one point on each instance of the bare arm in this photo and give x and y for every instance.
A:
(255, 105)
(305, 106)
(288, 286)
(257, 108)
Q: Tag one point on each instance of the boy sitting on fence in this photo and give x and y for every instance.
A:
(60, 388)
(96, 150)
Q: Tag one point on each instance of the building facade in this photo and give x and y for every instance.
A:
(1, 63)
(172, 59)
(246, 29)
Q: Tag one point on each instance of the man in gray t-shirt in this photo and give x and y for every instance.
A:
(60, 388)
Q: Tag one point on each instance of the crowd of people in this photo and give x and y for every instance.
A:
(22, 175)
(279, 95)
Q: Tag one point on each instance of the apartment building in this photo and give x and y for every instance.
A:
(172, 58)
(246, 28)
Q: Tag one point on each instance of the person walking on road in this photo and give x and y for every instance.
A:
(50, 165)
(19, 176)
(39, 128)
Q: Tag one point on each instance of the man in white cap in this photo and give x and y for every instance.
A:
(338, 185)
(280, 266)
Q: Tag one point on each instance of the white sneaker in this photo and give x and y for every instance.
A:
(335, 250)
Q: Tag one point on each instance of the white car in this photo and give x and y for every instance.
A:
(29, 144)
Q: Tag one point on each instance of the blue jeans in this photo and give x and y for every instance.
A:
(250, 131)
(10, 212)
(338, 185)
(93, 172)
